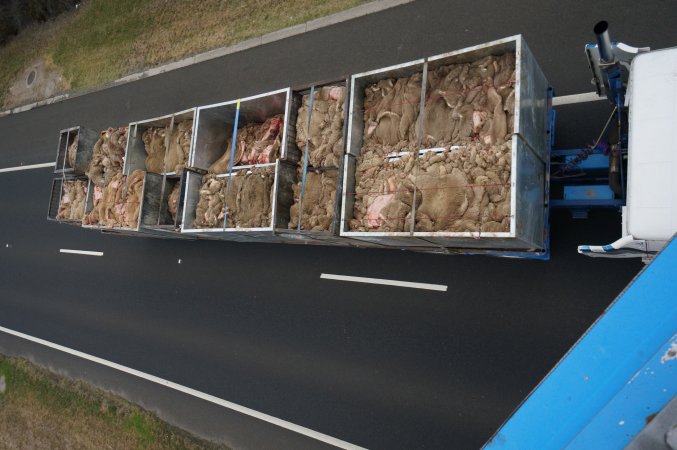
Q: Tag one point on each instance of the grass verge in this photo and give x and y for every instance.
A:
(104, 40)
(39, 409)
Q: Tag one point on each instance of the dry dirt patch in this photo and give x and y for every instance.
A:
(38, 81)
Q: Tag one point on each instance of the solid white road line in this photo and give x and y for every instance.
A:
(81, 252)
(32, 166)
(186, 390)
(407, 284)
(576, 98)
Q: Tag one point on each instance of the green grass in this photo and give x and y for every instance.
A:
(106, 39)
(142, 427)
(95, 47)
(59, 413)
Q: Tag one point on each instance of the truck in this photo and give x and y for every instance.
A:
(450, 154)
(464, 209)
(303, 157)
(617, 386)
(642, 87)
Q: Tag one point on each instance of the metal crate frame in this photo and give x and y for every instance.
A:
(86, 140)
(530, 153)
(331, 236)
(135, 155)
(284, 175)
(213, 125)
(55, 200)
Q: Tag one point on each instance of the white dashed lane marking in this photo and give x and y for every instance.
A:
(406, 284)
(81, 252)
(32, 166)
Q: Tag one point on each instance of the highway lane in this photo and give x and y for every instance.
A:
(381, 367)
(378, 366)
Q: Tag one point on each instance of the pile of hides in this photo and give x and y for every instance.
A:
(470, 102)
(465, 186)
(319, 199)
(117, 204)
(73, 198)
(325, 136)
(155, 143)
(246, 202)
(173, 200)
(249, 202)
(324, 140)
(210, 208)
(163, 156)
(179, 146)
(72, 152)
(256, 143)
(108, 156)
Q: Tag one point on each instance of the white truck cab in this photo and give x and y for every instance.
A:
(650, 214)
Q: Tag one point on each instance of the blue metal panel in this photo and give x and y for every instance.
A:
(600, 203)
(598, 367)
(644, 394)
(590, 192)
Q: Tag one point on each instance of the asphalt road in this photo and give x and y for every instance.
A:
(380, 367)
